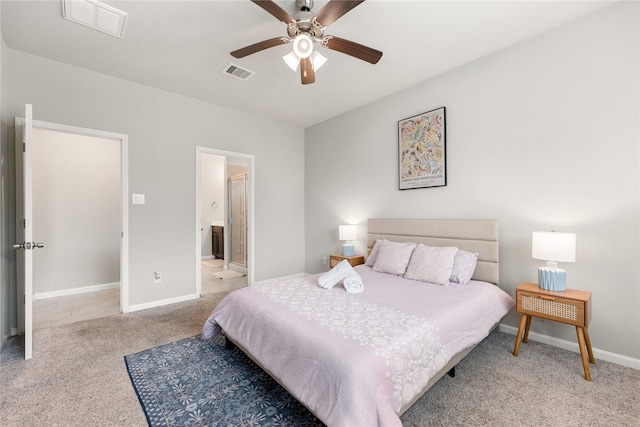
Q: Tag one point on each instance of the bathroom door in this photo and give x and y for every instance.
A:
(238, 220)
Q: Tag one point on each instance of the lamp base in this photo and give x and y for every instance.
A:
(552, 279)
(347, 250)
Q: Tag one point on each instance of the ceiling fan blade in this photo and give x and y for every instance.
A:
(306, 71)
(334, 10)
(274, 10)
(354, 49)
(257, 47)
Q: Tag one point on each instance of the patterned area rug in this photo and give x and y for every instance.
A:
(201, 383)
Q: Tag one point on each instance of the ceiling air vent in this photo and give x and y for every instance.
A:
(96, 15)
(237, 72)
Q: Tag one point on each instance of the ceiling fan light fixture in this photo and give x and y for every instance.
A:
(292, 60)
(317, 60)
(304, 29)
(303, 46)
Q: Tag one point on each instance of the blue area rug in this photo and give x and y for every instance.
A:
(201, 383)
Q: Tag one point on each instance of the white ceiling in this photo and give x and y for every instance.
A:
(183, 46)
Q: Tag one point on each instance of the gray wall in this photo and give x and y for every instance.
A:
(163, 130)
(541, 136)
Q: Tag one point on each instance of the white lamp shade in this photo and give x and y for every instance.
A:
(303, 46)
(347, 232)
(318, 60)
(553, 246)
(292, 60)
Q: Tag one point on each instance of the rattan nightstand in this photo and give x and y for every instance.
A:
(571, 306)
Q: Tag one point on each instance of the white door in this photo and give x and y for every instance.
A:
(24, 229)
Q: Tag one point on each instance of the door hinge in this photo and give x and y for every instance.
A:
(24, 223)
(24, 147)
(24, 299)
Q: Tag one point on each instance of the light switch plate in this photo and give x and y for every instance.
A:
(138, 199)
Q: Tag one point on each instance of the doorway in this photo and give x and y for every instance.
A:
(79, 180)
(224, 235)
(76, 198)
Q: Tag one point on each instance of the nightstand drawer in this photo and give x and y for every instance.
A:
(552, 307)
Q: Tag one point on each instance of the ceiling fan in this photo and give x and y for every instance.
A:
(304, 29)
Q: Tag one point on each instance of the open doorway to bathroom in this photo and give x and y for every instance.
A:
(224, 224)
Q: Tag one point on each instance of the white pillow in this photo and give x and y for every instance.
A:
(371, 259)
(431, 264)
(393, 257)
(464, 264)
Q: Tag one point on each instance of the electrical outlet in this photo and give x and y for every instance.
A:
(324, 260)
(157, 277)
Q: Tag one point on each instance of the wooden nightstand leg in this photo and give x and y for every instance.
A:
(523, 321)
(526, 330)
(583, 353)
(588, 343)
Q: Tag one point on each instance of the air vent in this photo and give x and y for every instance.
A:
(237, 72)
(96, 15)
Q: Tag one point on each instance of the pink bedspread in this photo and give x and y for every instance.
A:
(357, 359)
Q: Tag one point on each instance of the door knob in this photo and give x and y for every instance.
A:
(28, 245)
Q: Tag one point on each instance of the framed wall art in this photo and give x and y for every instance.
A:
(422, 150)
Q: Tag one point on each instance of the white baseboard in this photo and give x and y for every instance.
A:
(160, 303)
(573, 346)
(75, 291)
(206, 257)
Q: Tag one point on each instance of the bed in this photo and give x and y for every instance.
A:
(356, 359)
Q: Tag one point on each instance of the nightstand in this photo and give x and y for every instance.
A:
(571, 306)
(353, 260)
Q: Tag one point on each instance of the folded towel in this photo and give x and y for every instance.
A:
(329, 279)
(353, 283)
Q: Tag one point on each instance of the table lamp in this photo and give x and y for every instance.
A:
(347, 233)
(553, 247)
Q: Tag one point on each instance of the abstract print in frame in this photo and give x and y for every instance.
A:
(422, 150)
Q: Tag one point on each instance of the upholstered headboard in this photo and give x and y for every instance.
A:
(473, 235)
